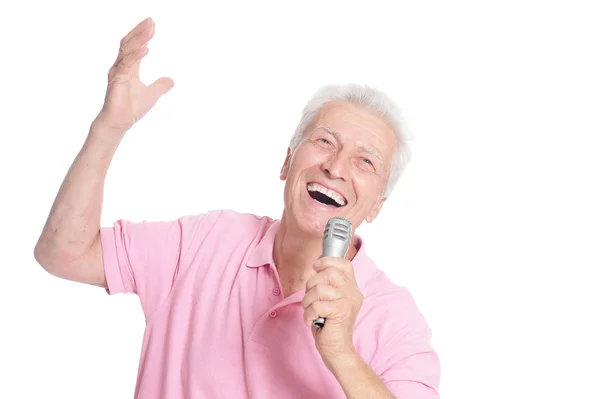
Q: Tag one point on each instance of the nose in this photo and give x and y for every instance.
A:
(336, 167)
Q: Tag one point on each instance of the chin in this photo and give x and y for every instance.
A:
(311, 224)
(310, 215)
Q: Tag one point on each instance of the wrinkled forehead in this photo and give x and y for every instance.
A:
(357, 126)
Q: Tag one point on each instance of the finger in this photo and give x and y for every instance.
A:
(127, 64)
(135, 43)
(132, 43)
(160, 87)
(141, 27)
(341, 264)
(321, 292)
(324, 309)
(328, 276)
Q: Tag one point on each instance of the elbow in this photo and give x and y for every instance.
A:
(43, 258)
(50, 263)
(62, 261)
(49, 258)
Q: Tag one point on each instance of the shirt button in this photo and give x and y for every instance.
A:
(276, 291)
(273, 314)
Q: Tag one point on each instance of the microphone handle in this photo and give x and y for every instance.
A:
(336, 240)
(320, 321)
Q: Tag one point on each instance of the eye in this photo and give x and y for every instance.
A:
(325, 141)
(367, 165)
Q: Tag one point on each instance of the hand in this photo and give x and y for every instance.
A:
(333, 294)
(127, 98)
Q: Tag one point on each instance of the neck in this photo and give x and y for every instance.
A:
(294, 253)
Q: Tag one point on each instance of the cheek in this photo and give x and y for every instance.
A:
(368, 187)
(297, 166)
(305, 158)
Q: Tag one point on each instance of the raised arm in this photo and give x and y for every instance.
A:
(69, 245)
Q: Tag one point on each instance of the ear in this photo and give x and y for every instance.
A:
(286, 165)
(375, 210)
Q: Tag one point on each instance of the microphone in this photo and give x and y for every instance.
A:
(336, 241)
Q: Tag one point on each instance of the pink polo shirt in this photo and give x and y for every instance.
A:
(218, 326)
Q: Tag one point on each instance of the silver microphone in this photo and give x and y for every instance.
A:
(336, 241)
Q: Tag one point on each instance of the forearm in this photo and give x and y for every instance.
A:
(73, 223)
(358, 380)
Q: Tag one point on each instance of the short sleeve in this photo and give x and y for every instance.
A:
(412, 368)
(145, 258)
(404, 359)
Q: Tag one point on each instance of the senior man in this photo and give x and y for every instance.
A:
(229, 298)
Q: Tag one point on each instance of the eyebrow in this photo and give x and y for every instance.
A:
(368, 150)
(371, 151)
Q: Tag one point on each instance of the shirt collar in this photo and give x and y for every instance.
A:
(262, 255)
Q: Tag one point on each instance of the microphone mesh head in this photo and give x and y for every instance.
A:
(337, 236)
(338, 227)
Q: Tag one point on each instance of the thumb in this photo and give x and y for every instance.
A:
(160, 87)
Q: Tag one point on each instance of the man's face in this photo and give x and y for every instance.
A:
(340, 168)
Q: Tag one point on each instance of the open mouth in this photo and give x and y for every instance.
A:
(325, 196)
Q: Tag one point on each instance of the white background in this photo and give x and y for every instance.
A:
(495, 226)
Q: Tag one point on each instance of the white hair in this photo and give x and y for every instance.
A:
(374, 101)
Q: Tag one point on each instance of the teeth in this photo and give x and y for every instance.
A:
(331, 194)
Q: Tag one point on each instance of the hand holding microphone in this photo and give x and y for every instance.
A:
(333, 297)
(336, 241)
